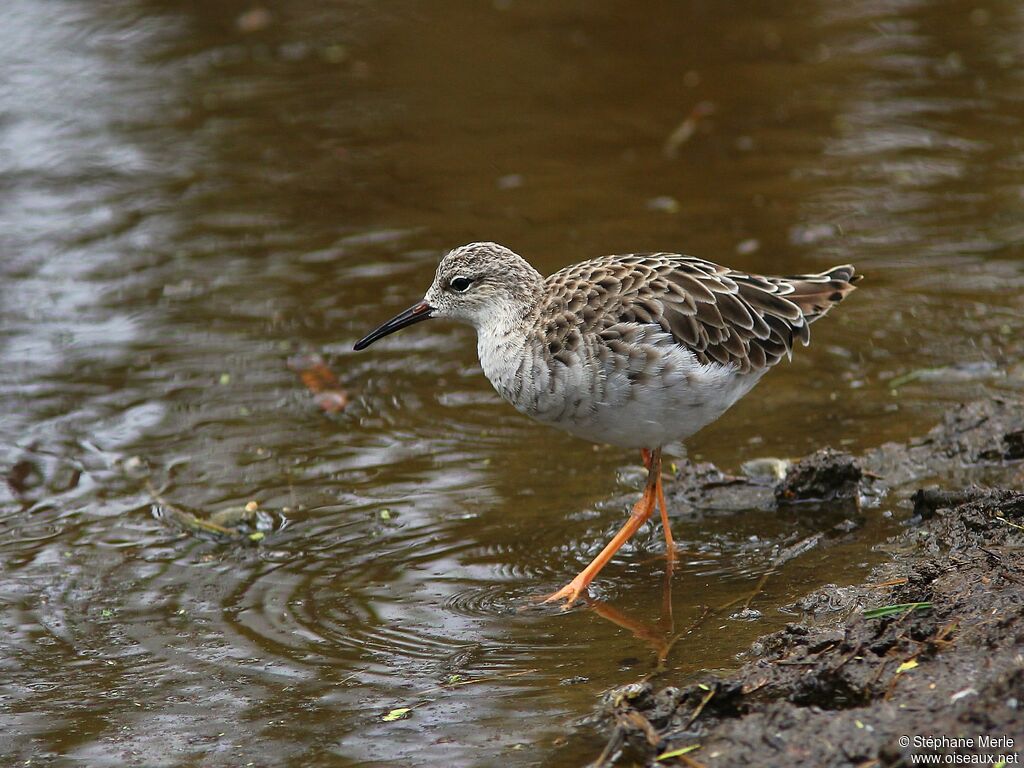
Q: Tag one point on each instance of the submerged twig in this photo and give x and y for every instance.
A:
(700, 707)
(471, 681)
(687, 128)
(614, 744)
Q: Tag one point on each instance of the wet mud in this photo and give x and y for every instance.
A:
(922, 658)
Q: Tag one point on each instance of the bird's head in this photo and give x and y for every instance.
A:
(482, 284)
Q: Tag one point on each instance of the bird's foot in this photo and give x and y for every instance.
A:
(570, 593)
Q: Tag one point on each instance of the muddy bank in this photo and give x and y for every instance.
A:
(976, 442)
(923, 658)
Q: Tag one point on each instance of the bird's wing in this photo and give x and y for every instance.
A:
(721, 315)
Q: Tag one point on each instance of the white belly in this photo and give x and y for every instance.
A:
(651, 418)
(643, 401)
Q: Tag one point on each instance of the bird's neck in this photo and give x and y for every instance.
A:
(501, 344)
(502, 332)
(511, 319)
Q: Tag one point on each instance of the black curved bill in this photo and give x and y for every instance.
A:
(414, 314)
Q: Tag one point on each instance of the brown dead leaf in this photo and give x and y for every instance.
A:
(320, 381)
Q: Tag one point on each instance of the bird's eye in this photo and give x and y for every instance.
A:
(461, 284)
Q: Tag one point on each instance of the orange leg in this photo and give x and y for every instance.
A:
(670, 546)
(641, 513)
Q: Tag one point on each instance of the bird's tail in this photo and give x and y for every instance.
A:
(817, 294)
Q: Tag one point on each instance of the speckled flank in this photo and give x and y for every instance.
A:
(636, 350)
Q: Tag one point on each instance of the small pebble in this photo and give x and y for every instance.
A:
(254, 20)
(510, 181)
(765, 469)
(664, 204)
(747, 614)
(748, 246)
(577, 680)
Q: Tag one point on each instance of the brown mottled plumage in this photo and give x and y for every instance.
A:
(720, 314)
(637, 350)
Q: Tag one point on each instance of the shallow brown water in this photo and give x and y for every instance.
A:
(185, 205)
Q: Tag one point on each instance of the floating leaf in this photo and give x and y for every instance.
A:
(906, 666)
(397, 714)
(892, 610)
(320, 381)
